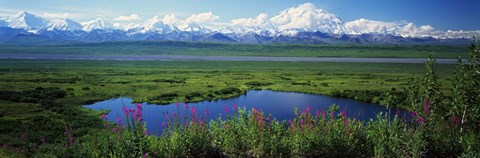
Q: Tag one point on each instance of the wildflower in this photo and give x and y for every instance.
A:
(317, 113)
(455, 120)
(186, 106)
(308, 109)
(70, 139)
(104, 116)
(426, 107)
(332, 115)
(119, 120)
(146, 132)
(125, 110)
(163, 124)
(344, 113)
(177, 105)
(289, 122)
(226, 108)
(420, 120)
(206, 112)
(119, 138)
(167, 116)
(146, 155)
(42, 141)
(115, 130)
(194, 114)
(235, 107)
(139, 106)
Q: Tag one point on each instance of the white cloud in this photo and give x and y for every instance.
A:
(132, 17)
(402, 28)
(261, 19)
(307, 17)
(202, 17)
(56, 16)
(170, 19)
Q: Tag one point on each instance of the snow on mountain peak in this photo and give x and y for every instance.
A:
(64, 24)
(162, 25)
(98, 23)
(26, 21)
(301, 18)
(403, 28)
(306, 17)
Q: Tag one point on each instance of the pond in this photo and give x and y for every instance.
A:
(280, 105)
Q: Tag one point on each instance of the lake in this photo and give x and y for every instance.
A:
(280, 105)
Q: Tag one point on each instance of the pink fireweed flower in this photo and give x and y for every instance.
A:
(163, 124)
(226, 108)
(206, 112)
(104, 116)
(137, 115)
(308, 109)
(146, 155)
(139, 106)
(119, 138)
(332, 115)
(426, 107)
(119, 120)
(455, 120)
(70, 139)
(115, 130)
(317, 113)
(146, 133)
(125, 110)
(289, 122)
(167, 116)
(344, 113)
(186, 106)
(414, 114)
(235, 107)
(177, 104)
(194, 114)
(420, 120)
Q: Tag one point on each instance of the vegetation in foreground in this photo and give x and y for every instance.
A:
(436, 128)
(424, 134)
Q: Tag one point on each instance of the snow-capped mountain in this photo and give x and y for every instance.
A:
(64, 25)
(307, 18)
(160, 25)
(299, 24)
(97, 24)
(25, 20)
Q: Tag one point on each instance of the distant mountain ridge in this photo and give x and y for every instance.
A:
(323, 28)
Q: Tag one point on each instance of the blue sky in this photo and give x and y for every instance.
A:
(441, 14)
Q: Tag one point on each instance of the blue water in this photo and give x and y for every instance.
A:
(280, 104)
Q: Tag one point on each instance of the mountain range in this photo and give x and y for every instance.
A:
(303, 24)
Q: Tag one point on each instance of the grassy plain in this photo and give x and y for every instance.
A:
(218, 49)
(167, 81)
(147, 80)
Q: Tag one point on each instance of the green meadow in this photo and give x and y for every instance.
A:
(42, 115)
(218, 49)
